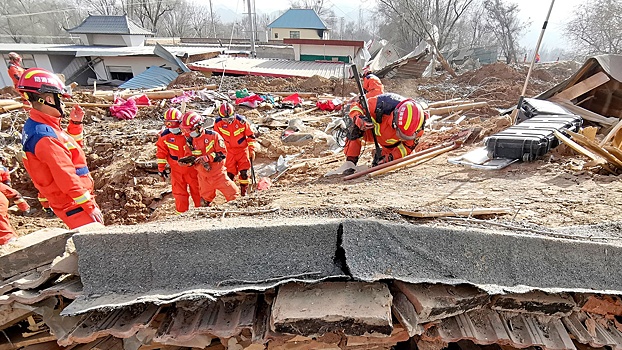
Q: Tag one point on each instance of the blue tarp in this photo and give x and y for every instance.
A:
(153, 77)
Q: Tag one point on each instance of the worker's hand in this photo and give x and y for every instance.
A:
(363, 124)
(77, 114)
(164, 174)
(95, 214)
(204, 161)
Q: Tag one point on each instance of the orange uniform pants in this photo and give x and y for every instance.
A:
(237, 160)
(214, 180)
(6, 231)
(353, 147)
(74, 217)
(182, 180)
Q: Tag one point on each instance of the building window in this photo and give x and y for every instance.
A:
(276, 35)
(294, 34)
(120, 72)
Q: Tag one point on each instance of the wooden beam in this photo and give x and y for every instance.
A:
(99, 105)
(457, 212)
(575, 146)
(415, 161)
(18, 341)
(450, 102)
(583, 87)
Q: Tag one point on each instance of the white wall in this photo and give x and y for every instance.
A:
(134, 40)
(327, 50)
(110, 40)
(138, 63)
(304, 33)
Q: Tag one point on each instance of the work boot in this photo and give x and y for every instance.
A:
(243, 189)
(205, 203)
(49, 212)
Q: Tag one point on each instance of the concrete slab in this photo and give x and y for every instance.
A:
(355, 308)
(497, 262)
(437, 301)
(33, 250)
(153, 263)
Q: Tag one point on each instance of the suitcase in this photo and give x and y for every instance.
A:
(531, 107)
(532, 138)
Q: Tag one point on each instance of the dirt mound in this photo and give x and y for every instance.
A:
(315, 83)
(497, 71)
(8, 92)
(189, 79)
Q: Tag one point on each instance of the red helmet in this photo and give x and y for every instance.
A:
(191, 120)
(172, 118)
(409, 120)
(41, 81)
(225, 110)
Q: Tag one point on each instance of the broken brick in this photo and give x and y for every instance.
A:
(355, 308)
(535, 302)
(437, 301)
(603, 305)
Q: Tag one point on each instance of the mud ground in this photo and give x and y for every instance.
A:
(550, 192)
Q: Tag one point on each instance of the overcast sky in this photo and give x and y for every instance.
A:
(532, 10)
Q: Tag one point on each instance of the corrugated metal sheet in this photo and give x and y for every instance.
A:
(270, 67)
(151, 78)
(299, 18)
(109, 25)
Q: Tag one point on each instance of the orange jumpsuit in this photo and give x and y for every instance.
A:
(372, 86)
(57, 166)
(170, 148)
(392, 146)
(6, 231)
(240, 141)
(5, 176)
(210, 147)
(15, 72)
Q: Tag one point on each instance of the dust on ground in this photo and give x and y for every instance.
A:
(548, 192)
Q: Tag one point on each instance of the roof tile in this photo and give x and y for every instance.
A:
(108, 25)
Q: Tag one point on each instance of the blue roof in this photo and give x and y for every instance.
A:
(299, 18)
(153, 77)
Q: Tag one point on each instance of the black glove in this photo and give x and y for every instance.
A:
(189, 160)
(219, 157)
(164, 173)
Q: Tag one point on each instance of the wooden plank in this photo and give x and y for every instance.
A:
(583, 86)
(589, 132)
(100, 105)
(614, 151)
(415, 161)
(453, 101)
(457, 212)
(611, 134)
(578, 148)
(455, 108)
(586, 114)
(18, 341)
(594, 147)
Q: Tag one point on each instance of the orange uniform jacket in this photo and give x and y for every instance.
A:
(239, 140)
(385, 133)
(5, 176)
(15, 72)
(57, 166)
(6, 231)
(372, 86)
(170, 148)
(209, 146)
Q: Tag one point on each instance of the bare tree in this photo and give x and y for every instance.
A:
(596, 27)
(105, 7)
(317, 5)
(503, 21)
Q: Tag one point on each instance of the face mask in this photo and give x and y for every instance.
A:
(194, 133)
(175, 131)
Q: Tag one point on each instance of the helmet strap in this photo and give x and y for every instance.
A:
(57, 104)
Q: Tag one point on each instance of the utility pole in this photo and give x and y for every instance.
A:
(211, 13)
(252, 25)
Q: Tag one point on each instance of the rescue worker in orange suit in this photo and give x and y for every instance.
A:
(54, 158)
(15, 67)
(5, 175)
(371, 84)
(240, 141)
(208, 156)
(397, 122)
(6, 231)
(171, 147)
